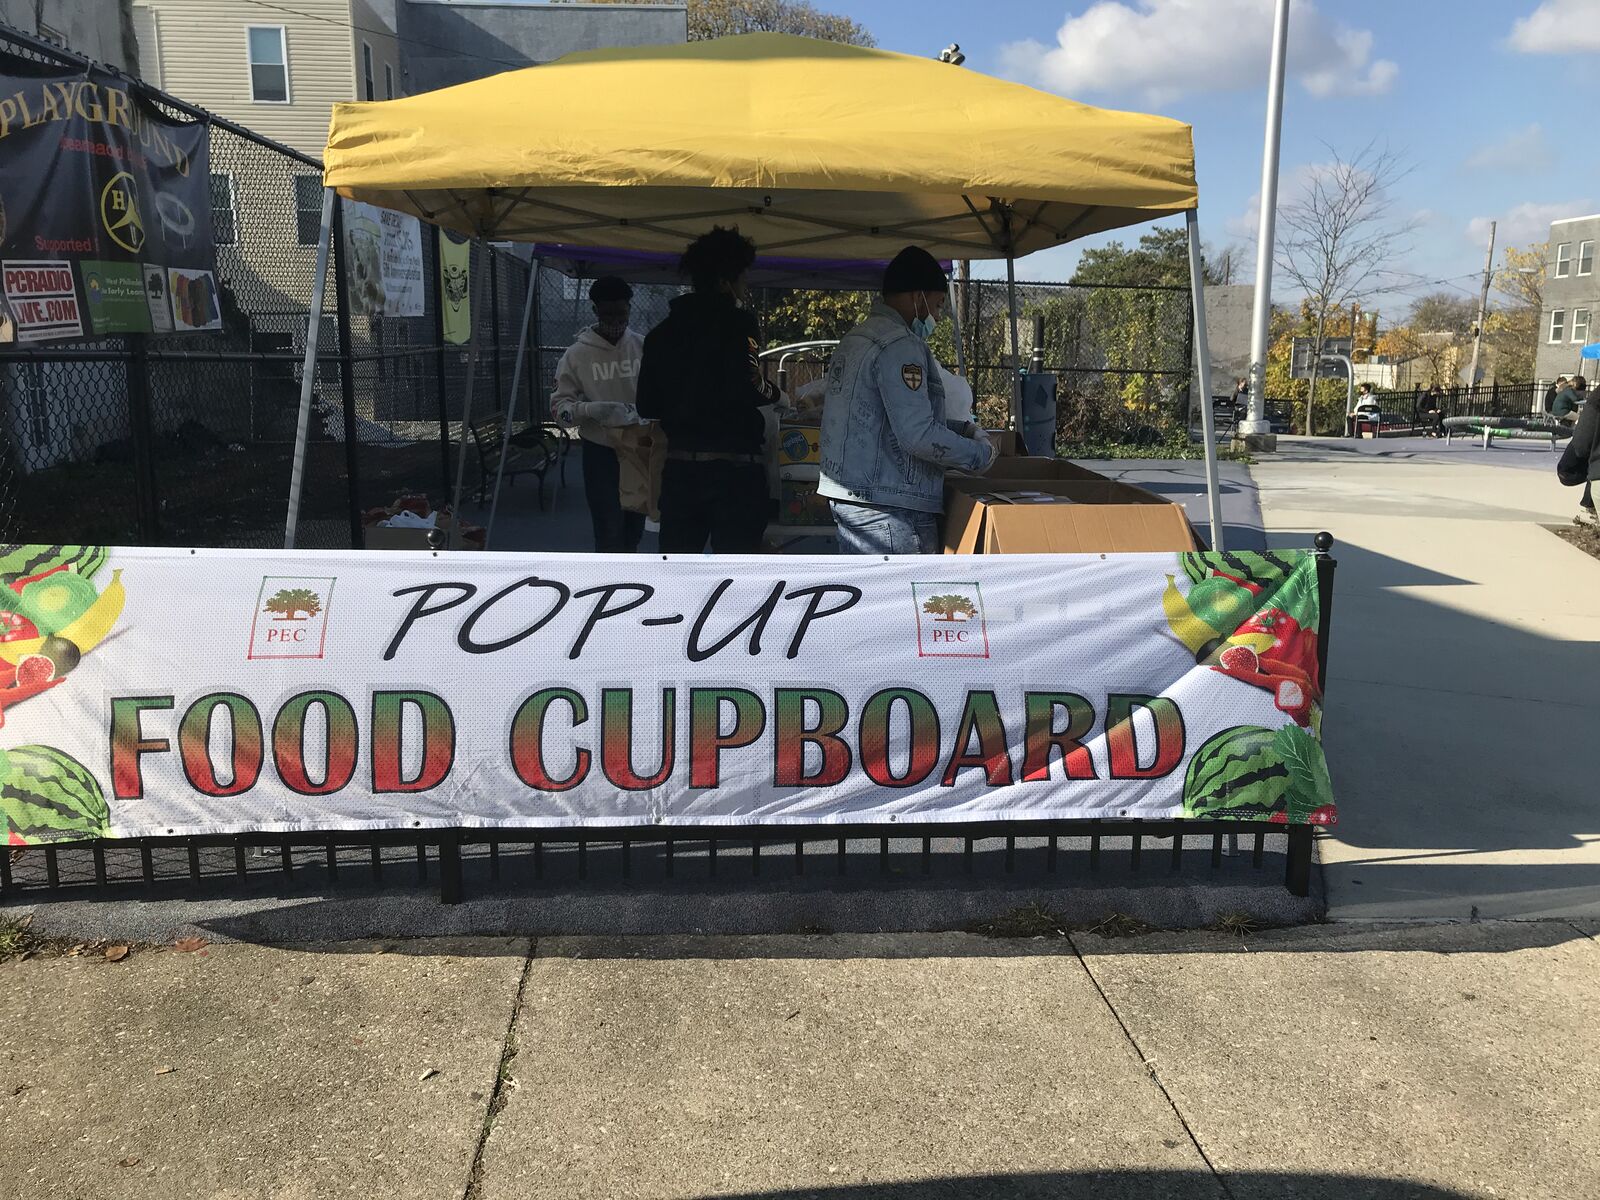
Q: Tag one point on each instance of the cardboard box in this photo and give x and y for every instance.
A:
(378, 537)
(1060, 517)
(799, 444)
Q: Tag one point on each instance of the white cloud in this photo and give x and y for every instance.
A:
(1559, 27)
(1524, 149)
(1526, 223)
(1161, 49)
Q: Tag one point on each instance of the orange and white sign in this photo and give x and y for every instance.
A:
(43, 299)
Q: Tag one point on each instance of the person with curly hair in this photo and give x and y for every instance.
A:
(701, 379)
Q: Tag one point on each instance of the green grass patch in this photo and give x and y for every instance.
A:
(14, 938)
(1170, 448)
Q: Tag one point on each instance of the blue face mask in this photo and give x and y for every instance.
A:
(923, 326)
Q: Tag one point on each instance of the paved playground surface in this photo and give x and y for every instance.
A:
(1465, 650)
(1324, 1062)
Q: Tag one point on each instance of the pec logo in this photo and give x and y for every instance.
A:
(950, 620)
(291, 618)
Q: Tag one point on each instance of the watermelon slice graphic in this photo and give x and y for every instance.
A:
(1249, 773)
(49, 796)
(1237, 774)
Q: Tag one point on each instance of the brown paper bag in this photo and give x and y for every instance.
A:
(641, 452)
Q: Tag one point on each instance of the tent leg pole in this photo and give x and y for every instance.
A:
(308, 373)
(466, 399)
(1202, 355)
(955, 328)
(1016, 341)
(511, 399)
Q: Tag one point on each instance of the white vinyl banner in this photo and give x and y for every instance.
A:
(158, 692)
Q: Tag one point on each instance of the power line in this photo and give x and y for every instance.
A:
(455, 51)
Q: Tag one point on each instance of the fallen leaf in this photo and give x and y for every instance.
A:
(189, 944)
(165, 1070)
(76, 950)
(116, 953)
(428, 1074)
(128, 1162)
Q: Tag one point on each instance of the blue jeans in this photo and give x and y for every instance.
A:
(867, 530)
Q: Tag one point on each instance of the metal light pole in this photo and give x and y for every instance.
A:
(1266, 231)
(1483, 310)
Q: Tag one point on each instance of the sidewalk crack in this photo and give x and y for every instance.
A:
(1150, 1069)
(503, 1082)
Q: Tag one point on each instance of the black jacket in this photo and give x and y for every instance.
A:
(1580, 461)
(700, 376)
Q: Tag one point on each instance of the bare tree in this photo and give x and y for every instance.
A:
(1224, 267)
(1340, 235)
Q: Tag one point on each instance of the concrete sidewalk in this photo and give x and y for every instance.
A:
(1447, 1061)
(1464, 657)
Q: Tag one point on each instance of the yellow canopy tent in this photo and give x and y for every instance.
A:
(813, 149)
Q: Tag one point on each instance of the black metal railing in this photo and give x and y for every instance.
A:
(652, 855)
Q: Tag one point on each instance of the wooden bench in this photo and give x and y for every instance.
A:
(531, 451)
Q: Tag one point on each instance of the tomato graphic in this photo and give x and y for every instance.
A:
(1292, 645)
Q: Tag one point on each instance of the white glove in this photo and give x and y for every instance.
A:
(567, 412)
(606, 412)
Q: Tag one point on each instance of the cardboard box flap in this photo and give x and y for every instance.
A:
(1078, 529)
(1098, 490)
(1038, 468)
(1091, 516)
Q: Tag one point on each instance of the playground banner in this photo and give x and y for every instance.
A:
(105, 220)
(158, 692)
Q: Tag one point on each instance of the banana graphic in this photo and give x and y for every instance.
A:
(87, 632)
(1199, 638)
(1259, 642)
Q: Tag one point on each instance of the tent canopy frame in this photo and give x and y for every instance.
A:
(787, 169)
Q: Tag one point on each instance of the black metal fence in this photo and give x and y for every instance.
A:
(458, 860)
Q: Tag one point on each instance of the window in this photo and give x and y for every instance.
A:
(54, 36)
(1580, 325)
(224, 225)
(369, 91)
(308, 208)
(1586, 258)
(1558, 324)
(388, 88)
(269, 64)
(1563, 260)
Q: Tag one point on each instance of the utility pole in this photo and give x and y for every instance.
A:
(1265, 234)
(1483, 310)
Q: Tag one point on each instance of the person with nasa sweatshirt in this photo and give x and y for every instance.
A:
(596, 383)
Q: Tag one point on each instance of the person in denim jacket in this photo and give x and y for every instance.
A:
(885, 441)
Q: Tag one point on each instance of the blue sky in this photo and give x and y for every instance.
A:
(1485, 98)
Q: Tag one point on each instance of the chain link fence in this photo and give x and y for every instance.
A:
(1121, 355)
(189, 439)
